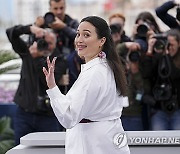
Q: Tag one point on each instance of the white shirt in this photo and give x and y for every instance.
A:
(93, 96)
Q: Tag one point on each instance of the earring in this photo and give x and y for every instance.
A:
(102, 54)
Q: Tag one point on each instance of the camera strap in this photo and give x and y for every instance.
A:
(164, 67)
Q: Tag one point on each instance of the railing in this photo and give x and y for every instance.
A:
(140, 142)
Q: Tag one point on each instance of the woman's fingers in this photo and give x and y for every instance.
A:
(48, 62)
(45, 71)
(51, 66)
(51, 69)
(53, 61)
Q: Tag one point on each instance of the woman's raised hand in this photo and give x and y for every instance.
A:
(50, 73)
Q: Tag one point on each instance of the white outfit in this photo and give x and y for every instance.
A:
(93, 96)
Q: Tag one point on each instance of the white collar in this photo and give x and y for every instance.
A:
(92, 63)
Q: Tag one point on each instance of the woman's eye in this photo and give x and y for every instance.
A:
(86, 35)
(77, 35)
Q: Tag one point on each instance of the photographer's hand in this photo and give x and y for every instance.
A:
(116, 37)
(39, 21)
(134, 67)
(50, 73)
(132, 46)
(34, 52)
(151, 42)
(57, 24)
(39, 32)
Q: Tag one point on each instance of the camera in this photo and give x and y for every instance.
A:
(134, 56)
(43, 103)
(178, 13)
(115, 28)
(48, 19)
(171, 105)
(162, 92)
(42, 44)
(142, 29)
(161, 41)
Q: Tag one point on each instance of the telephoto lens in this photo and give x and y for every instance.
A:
(134, 56)
(142, 29)
(48, 19)
(42, 45)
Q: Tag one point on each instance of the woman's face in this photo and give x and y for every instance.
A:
(87, 43)
(173, 46)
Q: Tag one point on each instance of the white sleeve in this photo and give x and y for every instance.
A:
(70, 109)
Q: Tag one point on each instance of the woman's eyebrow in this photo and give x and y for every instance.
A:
(87, 30)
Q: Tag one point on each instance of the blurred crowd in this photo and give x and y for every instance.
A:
(151, 59)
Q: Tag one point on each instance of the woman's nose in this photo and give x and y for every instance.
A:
(80, 39)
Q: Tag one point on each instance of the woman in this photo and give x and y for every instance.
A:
(91, 109)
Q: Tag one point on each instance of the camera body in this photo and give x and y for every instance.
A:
(42, 44)
(43, 104)
(115, 28)
(161, 41)
(171, 105)
(135, 56)
(162, 91)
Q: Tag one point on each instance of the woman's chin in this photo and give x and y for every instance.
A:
(80, 53)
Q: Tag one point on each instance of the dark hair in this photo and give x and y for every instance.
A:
(147, 16)
(175, 33)
(103, 30)
(55, 1)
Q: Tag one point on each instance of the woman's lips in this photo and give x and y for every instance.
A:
(81, 47)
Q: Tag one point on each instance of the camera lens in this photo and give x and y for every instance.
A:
(142, 30)
(115, 28)
(42, 45)
(49, 18)
(159, 45)
(134, 56)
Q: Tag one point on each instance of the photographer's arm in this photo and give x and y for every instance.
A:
(14, 34)
(123, 48)
(162, 13)
(70, 31)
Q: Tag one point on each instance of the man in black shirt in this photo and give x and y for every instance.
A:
(34, 112)
(64, 26)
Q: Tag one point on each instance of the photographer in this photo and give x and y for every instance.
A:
(161, 66)
(169, 20)
(62, 24)
(116, 23)
(34, 112)
(132, 114)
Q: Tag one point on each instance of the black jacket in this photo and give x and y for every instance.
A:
(32, 84)
(66, 36)
(150, 68)
(162, 13)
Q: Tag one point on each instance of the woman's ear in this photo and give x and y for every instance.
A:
(103, 40)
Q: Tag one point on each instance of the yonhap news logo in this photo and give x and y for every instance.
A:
(120, 140)
(153, 140)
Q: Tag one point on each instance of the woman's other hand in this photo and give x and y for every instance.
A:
(50, 73)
